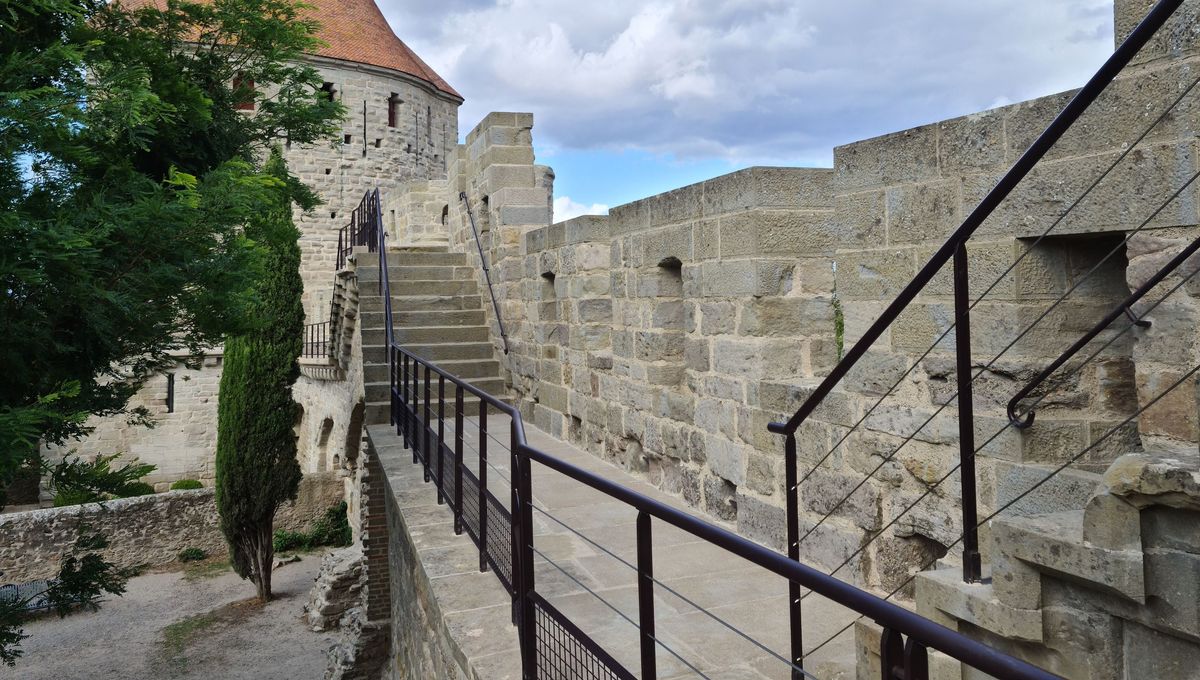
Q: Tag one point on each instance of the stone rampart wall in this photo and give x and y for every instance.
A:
(142, 531)
(667, 335)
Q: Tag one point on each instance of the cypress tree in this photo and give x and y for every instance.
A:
(256, 466)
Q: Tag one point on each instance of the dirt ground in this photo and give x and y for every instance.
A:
(192, 624)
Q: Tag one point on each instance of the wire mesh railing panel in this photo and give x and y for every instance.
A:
(564, 652)
(499, 541)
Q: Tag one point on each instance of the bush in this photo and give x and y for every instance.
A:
(66, 497)
(135, 489)
(291, 540)
(77, 481)
(192, 555)
(333, 529)
(186, 484)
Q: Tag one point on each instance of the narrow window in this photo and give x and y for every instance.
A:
(346, 139)
(445, 214)
(429, 124)
(243, 93)
(393, 110)
(170, 393)
(328, 91)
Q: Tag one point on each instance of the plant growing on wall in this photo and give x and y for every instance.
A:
(257, 470)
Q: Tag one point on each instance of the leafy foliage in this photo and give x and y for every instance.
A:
(256, 462)
(127, 176)
(78, 481)
(192, 555)
(185, 484)
(333, 529)
(122, 219)
(83, 579)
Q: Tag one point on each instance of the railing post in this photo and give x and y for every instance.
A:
(393, 391)
(458, 460)
(428, 429)
(441, 440)
(414, 434)
(523, 514)
(406, 423)
(645, 567)
(795, 604)
(972, 567)
(483, 502)
(514, 504)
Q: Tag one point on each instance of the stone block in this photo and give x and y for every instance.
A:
(907, 156)
(792, 187)
(922, 213)
(830, 492)
(587, 228)
(1111, 522)
(972, 143)
(787, 317)
(697, 355)
(745, 277)
(720, 498)
(726, 459)
(517, 214)
(974, 603)
(876, 274)
(781, 233)
(1154, 654)
(761, 521)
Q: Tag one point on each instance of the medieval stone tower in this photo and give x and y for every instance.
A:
(401, 121)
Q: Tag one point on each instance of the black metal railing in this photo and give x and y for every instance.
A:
(487, 272)
(318, 341)
(433, 424)
(365, 229)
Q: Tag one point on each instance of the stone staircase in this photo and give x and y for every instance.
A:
(438, 314)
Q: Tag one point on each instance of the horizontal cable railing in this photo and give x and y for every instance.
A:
(422, 415)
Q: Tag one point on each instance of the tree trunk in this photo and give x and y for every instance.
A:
(262, 553)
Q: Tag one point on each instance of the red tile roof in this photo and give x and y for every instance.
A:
(355, 30)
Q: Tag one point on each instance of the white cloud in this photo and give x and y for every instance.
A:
(565, 209)
(749, 80)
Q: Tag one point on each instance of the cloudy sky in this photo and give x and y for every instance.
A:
(634, 97)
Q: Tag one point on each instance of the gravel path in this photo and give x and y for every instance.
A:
(170, 625)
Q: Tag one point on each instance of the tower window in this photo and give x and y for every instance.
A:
(429, 124)
(393, 110)
(328, 91)
(170, 393)
(243, 93)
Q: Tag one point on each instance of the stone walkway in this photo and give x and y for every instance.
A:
(693, 644)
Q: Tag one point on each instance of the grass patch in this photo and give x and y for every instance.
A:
(207, 568)
(179, 636)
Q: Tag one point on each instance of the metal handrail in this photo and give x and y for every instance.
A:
(1037, 150)
(1124, 308)
(921, 632)
(462, 195)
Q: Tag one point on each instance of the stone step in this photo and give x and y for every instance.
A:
(418, 271)
(434, 303)
(1065, 491)
(374, 340)
(379, 392)
(454, 353)
(424, 288)
(422, 319)
(425, 258)
(1055, 543)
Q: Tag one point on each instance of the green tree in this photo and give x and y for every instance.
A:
(128, 168)
(256, 468)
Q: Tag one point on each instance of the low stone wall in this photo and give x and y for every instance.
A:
(146, 530)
